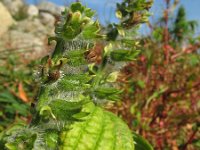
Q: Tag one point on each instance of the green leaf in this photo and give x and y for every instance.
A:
(99, 130)
(7, 97)
(112, 77)
(77, 7)
(124, 55)
(22, 109)
(44, 59)
(141, 84)
(92, 68)
(51, 138)
(24, 139)
(108, 93)
(196, 143)
(121, 31)
(71, 32)
(108, 48)
(46, 112)
(118, 14)
(141, 143)
(76, 17)
(64, 110)
(91, 31)
(74, 82)
(194, 60)
(11, 146)
(80, 115)
(156, 94)
(76, 57)
(89, 13)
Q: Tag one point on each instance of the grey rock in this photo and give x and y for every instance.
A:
(29, 35)
(13, 6)
(28, 44)
(50, 8)
(32, 11)
(47, 19)
(35, 27)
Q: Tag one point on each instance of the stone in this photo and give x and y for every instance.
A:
(50, 8)
(33, 26)
(6, 19)
(27, 44)
(32, 11)
(28, 36)
(14, 6)
(47, 19)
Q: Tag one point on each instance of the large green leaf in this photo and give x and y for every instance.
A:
(101, 130)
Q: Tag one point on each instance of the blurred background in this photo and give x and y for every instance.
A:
(162, 87)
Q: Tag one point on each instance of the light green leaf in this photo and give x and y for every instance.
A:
(101, 129)
(112, 77)
(118, 14)
(89, 13)
(91, 31)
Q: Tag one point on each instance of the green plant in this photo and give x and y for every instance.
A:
(183, 29)
(162, 87)
(16, 82)
(67, 114)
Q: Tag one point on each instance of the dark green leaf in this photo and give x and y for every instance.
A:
(124, 55)
(108, 93)
(77, 7)
(141, 143)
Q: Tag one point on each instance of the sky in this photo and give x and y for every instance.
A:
(106, 9)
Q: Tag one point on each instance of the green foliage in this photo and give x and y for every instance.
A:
(162, 87)
(183, 28)
(140, 143)
(131, 14)
(16, 79)
(73, 87)
(77, 21)
(101, 130)
(123, 55)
